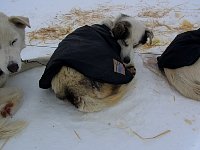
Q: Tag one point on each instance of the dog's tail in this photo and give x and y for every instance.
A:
(10, 101)
(115, 98)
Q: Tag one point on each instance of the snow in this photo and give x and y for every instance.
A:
(150, 107)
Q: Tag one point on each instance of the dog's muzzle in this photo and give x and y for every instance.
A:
(13, 67)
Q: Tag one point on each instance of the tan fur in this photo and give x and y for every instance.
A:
(88, 98)
(186, 80)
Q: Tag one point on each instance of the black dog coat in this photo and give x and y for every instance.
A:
(92, 51)
(184, 50)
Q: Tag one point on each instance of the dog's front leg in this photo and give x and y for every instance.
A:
(132, 69)
(36, 62)
(10, 101)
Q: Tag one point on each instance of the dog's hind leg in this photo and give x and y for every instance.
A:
(186, 80)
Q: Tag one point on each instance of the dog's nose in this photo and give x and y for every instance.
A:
(13, 67)
(127, 60)
(1, 72)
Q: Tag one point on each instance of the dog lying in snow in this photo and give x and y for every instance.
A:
(92, 66)
(180, 63)
(12, 41)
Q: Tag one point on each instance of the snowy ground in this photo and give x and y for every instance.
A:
(150, 107)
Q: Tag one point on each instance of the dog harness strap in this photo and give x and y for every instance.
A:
(90, 50)
(184, 50)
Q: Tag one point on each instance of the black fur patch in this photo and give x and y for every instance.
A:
(96, 85)
(144, 38)
(121, 30)
(71, 97)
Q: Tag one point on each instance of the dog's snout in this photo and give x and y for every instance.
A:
(13, 67)
(126, 60)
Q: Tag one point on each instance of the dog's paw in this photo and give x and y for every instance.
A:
(10, 101)
(132, 70)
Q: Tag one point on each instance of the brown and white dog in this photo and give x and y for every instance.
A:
(88, 95)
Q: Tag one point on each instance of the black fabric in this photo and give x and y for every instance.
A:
(184, 50)
(89, 50)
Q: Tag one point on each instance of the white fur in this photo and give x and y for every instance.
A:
(137, 30)
(136, 33)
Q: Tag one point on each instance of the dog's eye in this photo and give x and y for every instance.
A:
(13, 42)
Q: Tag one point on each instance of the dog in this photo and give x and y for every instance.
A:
(98, 89)
(12, 41)
(180, 63)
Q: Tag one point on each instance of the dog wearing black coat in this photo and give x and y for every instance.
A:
(92, 67)
(181, 63)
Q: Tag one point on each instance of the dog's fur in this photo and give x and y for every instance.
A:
(186, 80)
(12, 41)
(88, 95)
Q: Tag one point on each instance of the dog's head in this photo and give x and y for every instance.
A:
(12, 41)
(130, 33)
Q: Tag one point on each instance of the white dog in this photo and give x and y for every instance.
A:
(12, 41)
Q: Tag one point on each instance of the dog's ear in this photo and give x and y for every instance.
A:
(19, 21)
(150, 35)
(121, 30)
